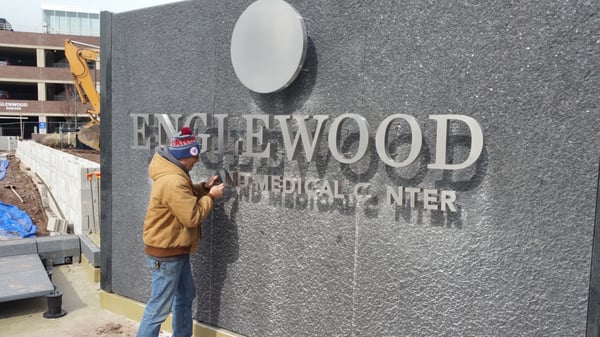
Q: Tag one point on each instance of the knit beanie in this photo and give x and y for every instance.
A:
(184, 144)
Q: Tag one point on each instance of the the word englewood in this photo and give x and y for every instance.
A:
(305, 132)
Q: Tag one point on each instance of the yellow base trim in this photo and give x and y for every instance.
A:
(134, 311)
(92, 272)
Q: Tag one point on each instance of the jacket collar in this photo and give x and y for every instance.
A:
(164, 152)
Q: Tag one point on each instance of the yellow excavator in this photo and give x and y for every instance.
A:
(78, 54)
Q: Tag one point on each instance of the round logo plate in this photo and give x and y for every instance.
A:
(268, 46)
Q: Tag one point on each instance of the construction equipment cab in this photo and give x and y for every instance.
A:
(78, 54)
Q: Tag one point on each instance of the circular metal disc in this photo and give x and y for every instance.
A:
(268, 46)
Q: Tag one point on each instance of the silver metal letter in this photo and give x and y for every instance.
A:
(289, 185)
(140, 139)
(358, 192)
(255, 136)
(310, 188)
(165, 124)
(447, 201)
(442, 142)
(308, 142)
(223, 132)
(412, 192)
(381, 140)
(363, 143)
(391, 197)
(430, 199)
(276, 183)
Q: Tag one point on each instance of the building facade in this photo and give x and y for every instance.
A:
(59, 19)
(36, 90)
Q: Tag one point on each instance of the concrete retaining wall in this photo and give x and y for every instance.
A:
(65, 176)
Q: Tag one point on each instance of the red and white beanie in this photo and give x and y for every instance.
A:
(184, 144)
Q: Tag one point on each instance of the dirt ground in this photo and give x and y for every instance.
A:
(18, 188)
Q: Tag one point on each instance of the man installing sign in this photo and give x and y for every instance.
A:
(172, 231)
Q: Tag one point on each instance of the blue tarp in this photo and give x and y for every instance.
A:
(3, 166)
(15, 223)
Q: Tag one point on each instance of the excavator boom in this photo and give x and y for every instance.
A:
(78, 54)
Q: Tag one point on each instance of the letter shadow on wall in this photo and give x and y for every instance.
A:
(219, 248)
(461, 180)
(419, 172)
(466, 179)
(290, 99)
(359, 172)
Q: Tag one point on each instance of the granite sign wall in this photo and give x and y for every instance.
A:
(428, 169)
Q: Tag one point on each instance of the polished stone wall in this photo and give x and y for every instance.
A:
(513, 259)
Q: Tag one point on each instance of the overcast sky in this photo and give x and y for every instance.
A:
(26, 15)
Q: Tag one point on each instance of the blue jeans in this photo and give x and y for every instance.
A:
(172, 289)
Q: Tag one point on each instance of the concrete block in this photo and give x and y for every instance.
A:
(18, 247)
(90, 250)
(62, 249)
(52, 224)
(57, 224)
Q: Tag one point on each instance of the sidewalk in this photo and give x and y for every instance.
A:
(84, 318)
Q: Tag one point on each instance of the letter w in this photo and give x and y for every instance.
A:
(308, 142)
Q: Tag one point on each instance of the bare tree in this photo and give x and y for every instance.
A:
(73, 106)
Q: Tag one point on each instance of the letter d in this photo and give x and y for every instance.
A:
(442, 142)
